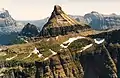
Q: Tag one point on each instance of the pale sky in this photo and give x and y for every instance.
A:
(39, 9)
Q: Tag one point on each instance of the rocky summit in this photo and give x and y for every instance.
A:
(60, 24)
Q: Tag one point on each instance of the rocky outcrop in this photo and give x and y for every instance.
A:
(29, 30)
(60, 24)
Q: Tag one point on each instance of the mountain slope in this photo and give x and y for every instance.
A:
(70, 55)
(59, 18)
(60, 24)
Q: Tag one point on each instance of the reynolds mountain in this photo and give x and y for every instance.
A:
(60, 23)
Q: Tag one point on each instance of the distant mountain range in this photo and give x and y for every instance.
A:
(101, 21)
(40, 23)
(96, 20)
(8, 25)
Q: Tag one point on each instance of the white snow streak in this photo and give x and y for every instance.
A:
(53, 53)
(86, 47)
(11, 57)
(0, 49)
(99, 42)
(48, 39)
(40, 55)
(35, 51)
(3, 54)
(46, 58)
(68, 42)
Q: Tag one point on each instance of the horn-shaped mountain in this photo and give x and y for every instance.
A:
(60, 24)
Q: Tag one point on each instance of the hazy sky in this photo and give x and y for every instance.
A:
(38, 9)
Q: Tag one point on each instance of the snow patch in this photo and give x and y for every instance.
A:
(69, 41)
(56, 38)
(53, 53)
(11, 58)
(2, 74)
(35, 51)
(28, 56)
(40, 55)
(46, 58)
(3, 54)
(26, 41)
(0, 49)
(48, 39)
(99, 42)
(86, 47)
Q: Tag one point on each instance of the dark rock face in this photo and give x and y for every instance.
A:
(62, 30)
(110, 37)
(102, 61)
(60, 24)
(29, 30)
(90, 65)
(101, 21)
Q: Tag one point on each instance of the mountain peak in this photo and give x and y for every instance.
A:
(2, 10)
(60, 22)
(4, 13)
(59, 18)
(57, 9)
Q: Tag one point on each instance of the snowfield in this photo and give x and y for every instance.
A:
(99, 42)
(70, 40)
(86, 47)
(35, 51)
(53, 53)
